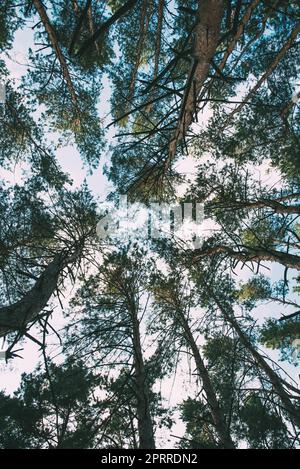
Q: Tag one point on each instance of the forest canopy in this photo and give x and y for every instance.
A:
(149, 339)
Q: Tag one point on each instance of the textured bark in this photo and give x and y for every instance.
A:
(18, 315)
(206, 37)
(55, 44)
(273, 377)
(216, 411)
(145, 426)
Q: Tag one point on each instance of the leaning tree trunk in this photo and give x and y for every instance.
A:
(216, 412)
(17, 316)
(145, 426)
(55, 44)
(206, 37)
(273, 377)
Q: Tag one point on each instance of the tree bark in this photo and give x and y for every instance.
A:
(92, 27)
(145, 426)
(160, 16)
(17, 316)
(216, 412)
(140, 46)
(273, 377)
(207, 33)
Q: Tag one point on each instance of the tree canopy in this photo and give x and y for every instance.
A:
(176, 104)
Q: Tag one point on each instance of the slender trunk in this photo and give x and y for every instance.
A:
(273, 377)
(207, 33)
(92, 28)
(133, 432)
(290, 105)
(145, 426)
(289, 316)
(54, 42)
(75, 6)
(216, 412)
(160, 16)
(140, 46)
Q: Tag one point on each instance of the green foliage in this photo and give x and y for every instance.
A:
(51, 410)
(256, 289)
(197, 418)
(261, 426)
(280, 335)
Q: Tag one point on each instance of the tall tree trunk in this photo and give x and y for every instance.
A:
(140, 45)
(232, 44)
(145, 426)
(207, 32)
(216, 411)
(275, 380)
(54, 42)
(160, 17)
